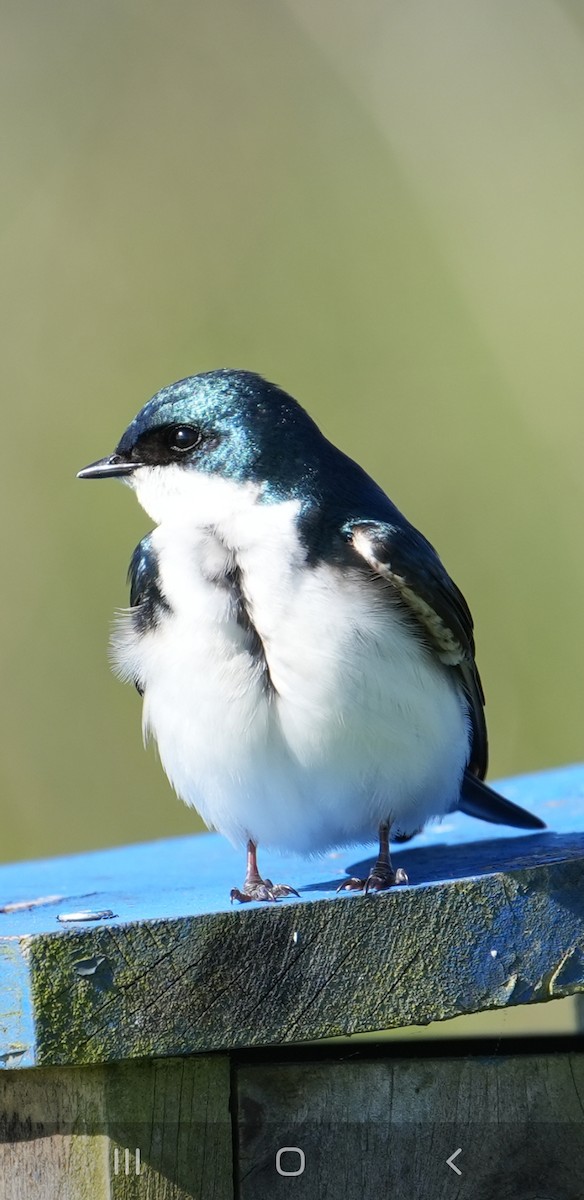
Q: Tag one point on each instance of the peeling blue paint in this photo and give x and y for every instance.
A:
(17, 1033)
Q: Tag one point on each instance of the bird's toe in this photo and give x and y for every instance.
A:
(383, 878)
(262, 889)
(379, 880)
(282, 889)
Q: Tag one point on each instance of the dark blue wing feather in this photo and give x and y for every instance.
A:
(402, 556)
(146, 596)
(147, 600)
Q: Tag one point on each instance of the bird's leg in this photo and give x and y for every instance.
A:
(383, 875)
(256, 888)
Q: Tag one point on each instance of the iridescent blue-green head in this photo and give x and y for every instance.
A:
(230, 424)
(200, 441)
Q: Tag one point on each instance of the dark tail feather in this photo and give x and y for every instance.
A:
(478, 800)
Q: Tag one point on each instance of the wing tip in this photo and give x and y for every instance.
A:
(477, 799)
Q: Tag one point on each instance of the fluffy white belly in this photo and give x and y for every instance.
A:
(346, 719)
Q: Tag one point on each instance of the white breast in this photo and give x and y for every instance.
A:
(359, 722)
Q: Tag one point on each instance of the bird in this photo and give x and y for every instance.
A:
(306, 663)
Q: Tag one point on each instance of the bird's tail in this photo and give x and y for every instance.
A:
(479, 800)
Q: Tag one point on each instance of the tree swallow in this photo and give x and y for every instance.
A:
(306, 663)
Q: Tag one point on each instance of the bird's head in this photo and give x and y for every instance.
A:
(213, 434)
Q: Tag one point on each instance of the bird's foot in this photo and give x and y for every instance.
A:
(262, 889)
(380, 879)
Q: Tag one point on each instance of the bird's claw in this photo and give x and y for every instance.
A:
(379, 880)
(263, 889)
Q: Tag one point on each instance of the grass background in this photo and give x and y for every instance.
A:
(378, 206)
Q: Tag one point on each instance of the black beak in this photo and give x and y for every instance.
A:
(108, 468)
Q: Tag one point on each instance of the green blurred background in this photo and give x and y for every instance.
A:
(379, 206)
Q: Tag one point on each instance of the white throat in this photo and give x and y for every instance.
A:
(182, 495)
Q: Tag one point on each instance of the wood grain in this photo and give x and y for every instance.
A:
(60, 1129)
(291, 973)
(385, 1128)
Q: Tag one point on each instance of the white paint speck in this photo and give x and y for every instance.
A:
(101, 915)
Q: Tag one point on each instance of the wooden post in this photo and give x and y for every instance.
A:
(133, 988)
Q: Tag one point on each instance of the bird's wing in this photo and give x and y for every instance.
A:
(402, 556)
(147, 600)
(144, 579)
(477, 799)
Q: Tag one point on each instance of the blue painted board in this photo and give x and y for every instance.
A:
(491, 917)
(188, 876)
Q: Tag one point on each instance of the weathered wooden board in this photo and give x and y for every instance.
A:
(70, 1134)
(386, 1128)
(200, 1129)
(493, 921)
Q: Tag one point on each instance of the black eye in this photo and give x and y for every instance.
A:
(183, 437)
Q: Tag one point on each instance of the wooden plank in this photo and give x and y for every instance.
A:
(53, 1140)
(386, 1127)
(178, 970)
(176, 1112)
(71, 1134)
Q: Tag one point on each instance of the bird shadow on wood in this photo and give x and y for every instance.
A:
(442, 863)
